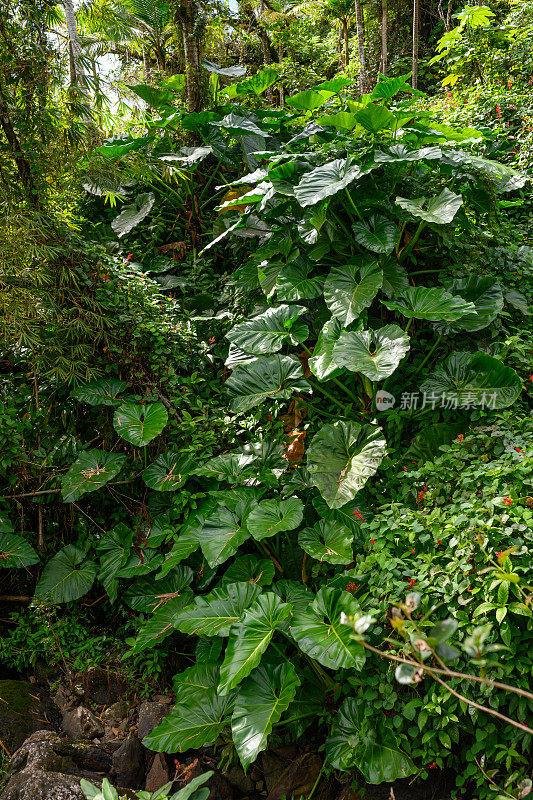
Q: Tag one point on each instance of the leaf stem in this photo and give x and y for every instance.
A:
(327, 394)
(439, 338)
(408, 248)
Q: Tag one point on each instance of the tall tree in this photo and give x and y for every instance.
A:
(74, 46)
(384, 35)
(360, 27)
(192, 30)
(416, 16)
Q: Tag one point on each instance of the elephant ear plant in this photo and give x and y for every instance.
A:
(341, 243)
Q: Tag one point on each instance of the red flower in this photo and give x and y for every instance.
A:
(518, 449)
(460, 438)
(352, 587)
(105, 278)
(269, 416)
(357, 514)
(434, 765)
(499, 553)
(211, 340)
(421, 497)
(411, 582)
(405, 469)
(372, 541)
(507, 501)
(129, 256)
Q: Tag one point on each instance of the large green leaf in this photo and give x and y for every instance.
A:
(484, 293)
(378, 234)
(215, 613)
(131, 215)
(320, 633)
(262, 699)
(326, 181)
(350, 288)
(249, 569)
(375, 354)
(308, 100)
(293, 283)
(222, 535)
(232, 467)
(157, 98)
(348, 747)
(15, 552)
(258, 83)
(168, 472)
(388, 87)
(192, 724)
(375, 118)
(195, 680)
(425, 446)
(273, 516)
(250, 638)
(321, 363)
(160, 625)
(342, 457)
(148, 592)
(102, 392)
(268, 332)
(440, 210)
(349, 515)
(239, 125)
(65, 577)
(113, 549)
(399, 153)
(431, 304)
(327, 541)
(90, 471)
(140, 423)
(341, 121)
(186, 544)
(277, 377)
(467, 379)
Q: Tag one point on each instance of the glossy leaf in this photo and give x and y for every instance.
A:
(348, 747)
(439, 210)
(160, 624)
(341, 458)
(258, 83)
(277, 377)
(327, 541)
(249, 569)
(250, 638)
(140, 423)
(232, 467)
(15, 552)
(148, 592)
(474, 379)
(425, 446)
(293, 283)
(326, 181)
(378, 234)
(351, 288)
(221, 536)
(431, 304)
(156, 98)
(518, 301)
(262, 699)
(113, 549)
(321, 362)
(67, 576)
(319, 632)
(103, 392)
(132, 214)
(484, 293)
(375, 118)
(268, 332)
(388, 87)
(375, 354)
(168, 472)
(308, 100)
(91, 470)
(239, 125)
(215, 613)
(273, 516)
(191, 724)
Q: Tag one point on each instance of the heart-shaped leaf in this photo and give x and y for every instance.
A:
(235, 124)
(375, 354)
(484, 293)
(388, 87)
(518, 301)
(326, 181)
(113, 549)
(140, 423)
(148, 592)
(270, 376)
(327, 541)
(378, 234)
(425, 446)
(431, 304)
(195, 680)
(320, 633)
(272, 516)
(268, 332)
(232, 467)
(342, 457)
(91, 470)
(249, 569)
(377, 758)
(374, 118)
(160, 625)
(131, 215)
(262, 699)
(221, 536)
(65, 577)
(168, 472)
(215, 613)
(399, 153)
(103, 392)
(192, 724)
(321, 363)
(250, 638)
(309, 100)
(15, 552)
(439, 210)
(258, 83)
(294, 284)
(469, 379)
(350, 288)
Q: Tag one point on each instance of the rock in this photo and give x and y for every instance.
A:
(102, 687)
(116, 713)
(275, 762)
(38, 785)
(158, 774)
(151, 714)
(299, 778)
(219, 788)
(82, 724)
(129, 764)
(20, 713)
(237, 778)
(64, 699)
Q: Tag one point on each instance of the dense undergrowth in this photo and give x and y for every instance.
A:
(299, 478)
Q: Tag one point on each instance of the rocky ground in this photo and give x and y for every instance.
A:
(57, 733)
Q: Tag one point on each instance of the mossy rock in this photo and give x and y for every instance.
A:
(19, 715)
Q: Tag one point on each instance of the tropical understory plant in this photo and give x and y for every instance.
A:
(354, 346)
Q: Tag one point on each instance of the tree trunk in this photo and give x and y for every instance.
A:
(281, 87)
(186, 15)
(448, 23)
(384, 43)
(360, 27)
(346, 41)
(76, 68)
(415, 42)
(19, 157)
